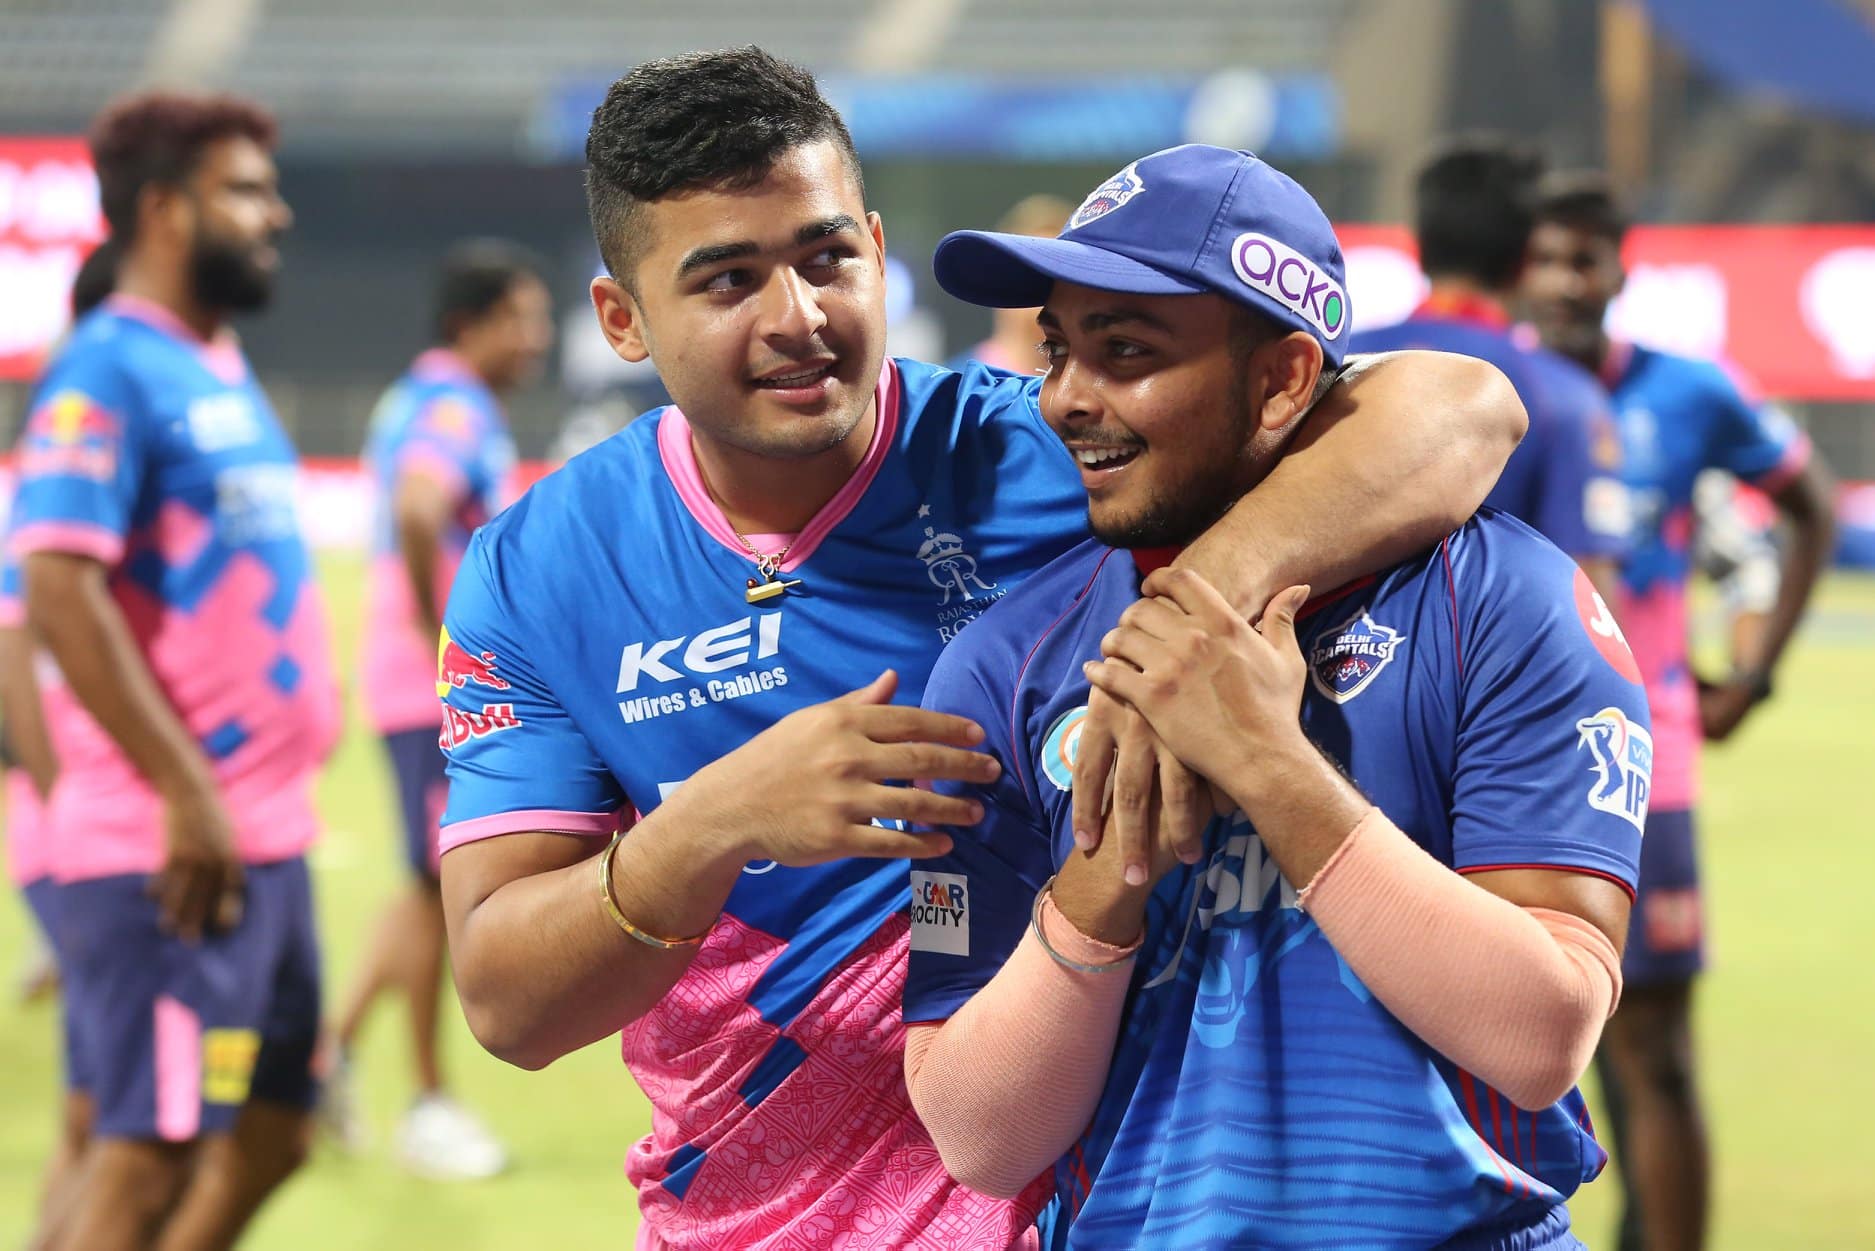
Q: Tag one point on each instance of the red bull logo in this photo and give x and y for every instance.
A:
(456, 667)
(460, 727)
(70, 416)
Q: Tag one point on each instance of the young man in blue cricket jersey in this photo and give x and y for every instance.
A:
(704, 619)
(1358, 1018)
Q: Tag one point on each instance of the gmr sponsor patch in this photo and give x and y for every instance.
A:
(940, 913)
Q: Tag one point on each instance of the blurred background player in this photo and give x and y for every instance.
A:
(163, 567)
(1678, 417)
(31, 700)
(443, 462)
(1473, 202)
(1012, 340)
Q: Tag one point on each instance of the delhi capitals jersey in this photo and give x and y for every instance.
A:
(1259, 1094)
(1679, 416)
(158, 455)
(1563, 479)
(439, 419)
(600, 647)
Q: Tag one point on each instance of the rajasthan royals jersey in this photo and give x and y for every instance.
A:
(439, 419)
(1259, 1094)
(601, 646)
(1563, 479)
(159, 456)
(1679, 416)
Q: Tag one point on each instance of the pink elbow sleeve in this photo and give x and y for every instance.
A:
(1006, 1085)
(1517, 996)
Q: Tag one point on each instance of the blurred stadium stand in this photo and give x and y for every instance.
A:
(409, 123)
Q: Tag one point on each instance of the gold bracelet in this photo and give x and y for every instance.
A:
(611, 906)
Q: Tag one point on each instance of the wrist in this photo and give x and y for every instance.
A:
(1269, 771)
(1094, 899)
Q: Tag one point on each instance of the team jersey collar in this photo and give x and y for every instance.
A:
(221, 355)
(440, 364)
(680, 464)
(1465, 306)
(1615, 362)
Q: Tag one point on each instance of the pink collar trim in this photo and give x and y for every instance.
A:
(680, 463)
(441, 364)
(220, 355)
(1615, 362)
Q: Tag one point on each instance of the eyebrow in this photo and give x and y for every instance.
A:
(716, 253)
(1107, 320)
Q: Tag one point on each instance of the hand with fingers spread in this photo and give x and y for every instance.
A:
(805, 790)
(1221, 695)
(199, 887)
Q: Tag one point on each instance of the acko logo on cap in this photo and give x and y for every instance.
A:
(1108, 196)
(1292, 280)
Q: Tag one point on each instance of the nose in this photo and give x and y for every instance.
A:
(1071, 396)
(790, 312)
(282, 217)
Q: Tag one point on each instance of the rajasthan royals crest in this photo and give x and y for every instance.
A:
(1108, 196)
(1344, 662)
(951, 569)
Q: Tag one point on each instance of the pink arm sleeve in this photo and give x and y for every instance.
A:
(1516, 995)
(1007, 1084)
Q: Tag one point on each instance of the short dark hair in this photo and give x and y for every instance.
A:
(96, 278)
(1583, 199)
(476, 274)
(705, 119)
(158, 137)
(1474, 207)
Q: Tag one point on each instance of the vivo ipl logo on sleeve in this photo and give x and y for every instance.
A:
(1062, 746)
(1624, 764)
(1292, 280)
(940, 913)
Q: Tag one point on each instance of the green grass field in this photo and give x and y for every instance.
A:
(1788, 1040)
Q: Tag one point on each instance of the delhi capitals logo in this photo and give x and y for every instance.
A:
(1624, 764)
(950, 568)
(1109, 195)
(1062, 747)
(1344, 662)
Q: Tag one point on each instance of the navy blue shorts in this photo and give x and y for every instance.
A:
(42, 896)
(422, 789)
(1666, 937)
(177, 1036)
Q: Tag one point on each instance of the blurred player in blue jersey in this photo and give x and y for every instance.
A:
(706, 618)
(1472, 213)
(1357, 1018)
(33, 703)
(1678, 417)
(442, 461)
(164, 568)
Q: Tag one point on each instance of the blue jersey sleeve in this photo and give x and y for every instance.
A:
(1753, 442)
(516, 760)
(444, 439)
(81, 466)
(969, 908)
(1554, 749)
(1582, 506)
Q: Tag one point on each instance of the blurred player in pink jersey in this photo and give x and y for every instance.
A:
(1011, 344)
(442, 459)
(164, 569)
(1678, 418)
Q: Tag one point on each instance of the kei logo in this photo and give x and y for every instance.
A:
(456, 667)
(1345, 661)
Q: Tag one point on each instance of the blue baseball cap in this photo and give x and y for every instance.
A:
(1185, 221)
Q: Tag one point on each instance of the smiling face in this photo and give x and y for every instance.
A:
(1173, 406)
(1572, 276)
(763, 308)
(235, 216)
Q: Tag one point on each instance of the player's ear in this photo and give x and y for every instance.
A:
(876, 225)
(1295, 362)
(620, 319)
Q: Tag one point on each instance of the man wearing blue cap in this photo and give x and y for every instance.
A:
(1358, 1017)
